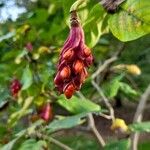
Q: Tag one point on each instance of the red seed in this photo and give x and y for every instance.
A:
(65, 72)
(68, 54)
(87, 51)
(69, 91)
(78, 66)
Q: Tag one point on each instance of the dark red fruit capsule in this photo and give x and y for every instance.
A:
(15, 87)
(46, 112)
(76, 56)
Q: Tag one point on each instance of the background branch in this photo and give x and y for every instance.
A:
(92, 126)
(139, 115)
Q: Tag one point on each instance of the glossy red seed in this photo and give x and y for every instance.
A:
(68, 54)
(87, 51)
(69, 91)
(65, 72)
(78, 66)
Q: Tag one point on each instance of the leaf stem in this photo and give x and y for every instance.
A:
(76, 4)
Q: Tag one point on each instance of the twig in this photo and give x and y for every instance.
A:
(105, 65)
(106, 101)
(139, 115)
(105, 116)
(108, 62)
(101, 69)
(58, 143)
(94, 129)
(52, 140)
(92, 126)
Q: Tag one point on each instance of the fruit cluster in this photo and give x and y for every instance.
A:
(75, 58)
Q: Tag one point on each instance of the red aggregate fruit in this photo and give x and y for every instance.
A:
(15, 87)
(74, 60)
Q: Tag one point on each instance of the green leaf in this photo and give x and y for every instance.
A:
(144, 146)
(12, 143)
(127, 89)
(27, 78)
(39, 17)
(76, 105)
(140, 127)
(22, 112)
(3, 130)
(132, 22)
(32, 144)
(93, 25)
(65, 123)
(119, 145)
(111, 88)
(4, 95)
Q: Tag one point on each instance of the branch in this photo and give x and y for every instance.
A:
(91, 124)
(94, 129)
(105, 65)
(106, 101)
(139, 115)
(58, 143)
(108, 62)
(52, 140)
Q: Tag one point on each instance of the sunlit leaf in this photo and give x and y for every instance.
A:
(132, 21)
(93, 25)
(27, 78)
(77, 105)
(140, 127)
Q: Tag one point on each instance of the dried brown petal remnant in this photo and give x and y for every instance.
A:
(75, 58)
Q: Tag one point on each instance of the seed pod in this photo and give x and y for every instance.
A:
(65, 72)
(68, 54)
(15, 87)
(133, 69)
(78, 66)
(69, 90)
(46, 112)
(77, 56)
